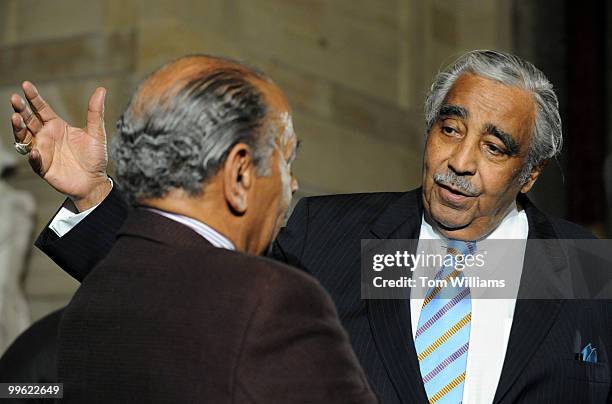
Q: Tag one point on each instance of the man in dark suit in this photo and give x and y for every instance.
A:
(182, 309)
(492, 124)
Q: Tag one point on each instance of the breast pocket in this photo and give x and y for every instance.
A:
(587, 371)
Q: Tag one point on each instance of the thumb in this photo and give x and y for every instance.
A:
(95, 113)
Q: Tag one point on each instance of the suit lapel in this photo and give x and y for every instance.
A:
(390, 319)
(532, 318)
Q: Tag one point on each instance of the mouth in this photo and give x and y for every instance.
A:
(453, 195)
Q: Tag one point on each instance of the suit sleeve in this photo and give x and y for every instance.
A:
(289, 245)
(296, 351)
(79, 250)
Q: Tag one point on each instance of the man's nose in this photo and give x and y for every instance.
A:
(463, 160)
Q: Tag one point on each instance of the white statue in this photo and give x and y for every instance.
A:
(17, 209)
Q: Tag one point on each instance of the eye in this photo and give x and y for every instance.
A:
(449, 130)
(494, 150)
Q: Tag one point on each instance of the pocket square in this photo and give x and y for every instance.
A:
(588, 354)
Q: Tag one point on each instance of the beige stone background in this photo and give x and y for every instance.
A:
(355, 71)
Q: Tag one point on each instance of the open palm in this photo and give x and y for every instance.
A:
(72, 160)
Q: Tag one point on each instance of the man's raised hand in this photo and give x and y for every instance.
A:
(72, 160)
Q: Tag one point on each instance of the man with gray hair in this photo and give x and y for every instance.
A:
(492, 125)
(181, 309)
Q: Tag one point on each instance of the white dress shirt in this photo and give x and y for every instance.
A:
(491, 319)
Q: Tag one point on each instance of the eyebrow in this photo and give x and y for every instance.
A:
(451, 110)
(294, 152)
(507, 139)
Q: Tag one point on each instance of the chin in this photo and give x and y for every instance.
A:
(450, 226)
(449, 221)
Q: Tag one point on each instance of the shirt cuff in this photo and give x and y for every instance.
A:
(65, 220)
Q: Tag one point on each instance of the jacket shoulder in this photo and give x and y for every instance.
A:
(352, 200)
(338, 207)
(569, 230)
(276, 273)
(255, 269)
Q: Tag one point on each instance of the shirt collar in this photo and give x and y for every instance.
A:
(213, 236)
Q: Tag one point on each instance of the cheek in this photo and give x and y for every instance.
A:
(433, 160)
(436, 152)
(499, 189)
(498, 180)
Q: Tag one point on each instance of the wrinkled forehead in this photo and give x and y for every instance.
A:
(491, 103)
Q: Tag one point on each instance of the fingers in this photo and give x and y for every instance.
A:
(20, 130)
(23, 135)
(35, 161)
(39, 105)
(95, 112)
(29, 118)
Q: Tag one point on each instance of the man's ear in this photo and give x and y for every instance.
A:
(238, 177)
(533, 176)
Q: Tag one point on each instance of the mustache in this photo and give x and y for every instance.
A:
(462, 184)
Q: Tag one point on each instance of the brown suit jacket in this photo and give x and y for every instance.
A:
(167, 317)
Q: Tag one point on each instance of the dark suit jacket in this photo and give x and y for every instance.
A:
(167, 317)
(32, 357)
(323, 238)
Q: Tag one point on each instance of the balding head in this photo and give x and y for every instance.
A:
(185, 117)
(170, 79)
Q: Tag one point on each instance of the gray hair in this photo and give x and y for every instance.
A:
(510, 70)
(183, 140)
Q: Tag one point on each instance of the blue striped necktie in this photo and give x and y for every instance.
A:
(443, 334)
